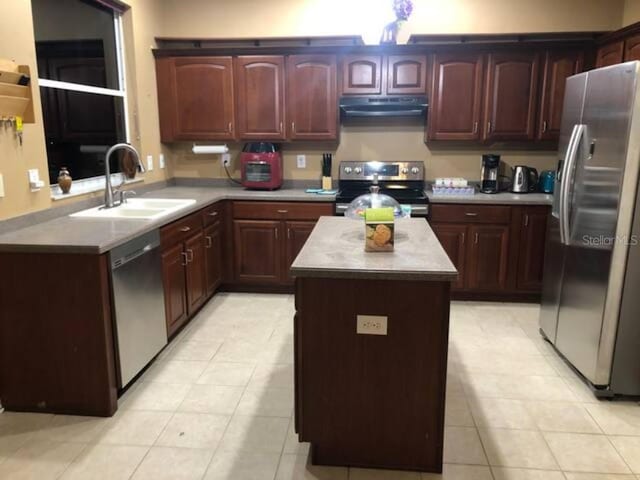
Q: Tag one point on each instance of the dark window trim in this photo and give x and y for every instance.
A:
(115, 5)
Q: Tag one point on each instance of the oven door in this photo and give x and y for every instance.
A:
(258, 172)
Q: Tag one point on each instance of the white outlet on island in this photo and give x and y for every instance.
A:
(302, 161)
(371, 325)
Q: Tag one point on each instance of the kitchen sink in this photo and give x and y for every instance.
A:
(138, 208)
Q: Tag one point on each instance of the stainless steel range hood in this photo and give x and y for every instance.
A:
(415, 106)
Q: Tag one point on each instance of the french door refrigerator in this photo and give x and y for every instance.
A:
(591, 286)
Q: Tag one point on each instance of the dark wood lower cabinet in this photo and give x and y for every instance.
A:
(175, 287)
(213, 257)
(297, 234)
(258, 251)
(195, 271)
(487, 257)
(498, 250)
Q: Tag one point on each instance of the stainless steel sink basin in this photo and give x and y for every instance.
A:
(138, 208)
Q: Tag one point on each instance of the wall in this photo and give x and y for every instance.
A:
(395, 141)
(141, 24)
(631, 12)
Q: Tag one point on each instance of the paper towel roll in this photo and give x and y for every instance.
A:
(202, 149)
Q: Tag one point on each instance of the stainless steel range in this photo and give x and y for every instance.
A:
(404, 181)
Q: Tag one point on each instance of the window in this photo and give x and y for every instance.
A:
(82, 84)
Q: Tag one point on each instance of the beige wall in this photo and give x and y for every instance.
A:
(141, 24)
(631, 12)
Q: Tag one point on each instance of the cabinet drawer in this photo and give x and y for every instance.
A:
(179, 230)
(281, 210)
(469, 213)
(212, 214)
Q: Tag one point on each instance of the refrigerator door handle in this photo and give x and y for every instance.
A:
(567, 180)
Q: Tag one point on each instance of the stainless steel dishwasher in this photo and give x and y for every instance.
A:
(138, 300)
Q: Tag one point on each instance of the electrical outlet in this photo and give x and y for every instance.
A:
(1, 186)
(226, 159)
(149, 162)
(371, 325)
(302, 161)
(161, 160)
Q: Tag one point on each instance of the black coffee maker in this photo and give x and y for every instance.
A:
(490, 173)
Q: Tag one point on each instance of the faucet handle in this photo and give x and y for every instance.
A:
(124, 194)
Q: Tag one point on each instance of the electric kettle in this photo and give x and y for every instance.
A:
(524, 179)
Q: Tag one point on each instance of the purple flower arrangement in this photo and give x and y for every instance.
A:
(402, 9)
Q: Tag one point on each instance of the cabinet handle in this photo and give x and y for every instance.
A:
(213, 214)
(475, 128)
(280, 128)
(293, 127)
(229, 127)
(189, 255)
(185, 258)
(185, 229)
(209, 241)
(463, 237)
(526, 220)
(471, 214)
(276, 233)
(288, 233)
(489, 127)
(475, 240)
(283, 211)
(544, 126)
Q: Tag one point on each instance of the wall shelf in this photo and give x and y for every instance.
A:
(16, 100)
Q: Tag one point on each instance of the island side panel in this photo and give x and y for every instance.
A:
(56, 337)
(372, 400)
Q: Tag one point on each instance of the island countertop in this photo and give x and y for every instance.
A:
(335, 249)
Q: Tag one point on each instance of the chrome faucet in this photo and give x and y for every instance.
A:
(108, 192)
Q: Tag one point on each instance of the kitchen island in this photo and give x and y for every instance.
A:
(371, 339)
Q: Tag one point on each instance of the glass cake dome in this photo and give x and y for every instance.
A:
(374, 199)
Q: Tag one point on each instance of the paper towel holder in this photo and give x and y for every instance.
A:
(209, 149)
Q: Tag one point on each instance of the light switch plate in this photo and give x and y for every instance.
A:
(1, 186)
(301, 161)
(161, 160)
(371, 325)
(149, 162)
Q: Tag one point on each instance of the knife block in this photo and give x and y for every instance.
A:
(326, 183)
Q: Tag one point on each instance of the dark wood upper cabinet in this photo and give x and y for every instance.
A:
(312, 97)
(610, 54)
(361, 74)
(632, 48)
(511, 96)
(558, 66)
(260, 97)
(406, 74)
(196, 98)
(533, 230)
(456, 96)
(488, 257)
(453, 240)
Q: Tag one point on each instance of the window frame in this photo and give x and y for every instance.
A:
(88, 185)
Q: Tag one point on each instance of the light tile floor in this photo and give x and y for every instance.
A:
(217, 405)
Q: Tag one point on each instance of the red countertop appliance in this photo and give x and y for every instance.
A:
(261, 165)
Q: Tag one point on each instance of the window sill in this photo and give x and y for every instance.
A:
(89, 185)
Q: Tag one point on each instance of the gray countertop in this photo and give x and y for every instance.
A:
(502, 198)
(335, 249)
(99, 235)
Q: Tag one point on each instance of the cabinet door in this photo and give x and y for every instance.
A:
(196, 271)
(511, 93)
(487, 255)
(258, 251)
(533, 230)
(558, 66)
(406, 74)
(196, 98)
(453, 240)
(297, 234)
(361, 74)
(610, 54)
(175, 287)
(632, 48)
(456, 97)
(260, 89)
(213, 257)
(312, 100)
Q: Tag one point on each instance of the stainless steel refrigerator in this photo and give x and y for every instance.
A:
(591, 291)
